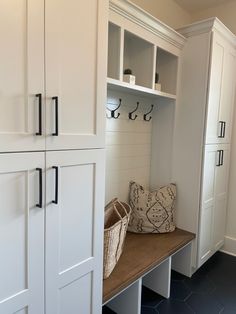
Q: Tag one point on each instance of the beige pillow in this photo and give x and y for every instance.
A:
(152, 212)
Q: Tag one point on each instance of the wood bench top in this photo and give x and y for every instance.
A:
(142, 252)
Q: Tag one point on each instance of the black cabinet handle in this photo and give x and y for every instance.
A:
(221, 129)
(55, 201)
(224, 127)
(40, 203)
(219, 158)
(39, 96)
(222, 158)
(55, 98)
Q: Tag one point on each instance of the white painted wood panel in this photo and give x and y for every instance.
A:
(74, 231)
(21, 234)
(21, 75)
(76, 72)
(128, 145)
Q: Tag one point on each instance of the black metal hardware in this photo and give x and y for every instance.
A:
(55, 98)
(224, 127)
(222, 158)
(145, 115)
(55, 201)
(221, 129)
(114, 110)
(39, 96)
(219, 158)
(131, 113)
(40, 203)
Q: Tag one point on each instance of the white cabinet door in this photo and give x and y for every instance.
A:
(207, 205)
(227, 94)
(21, 75)
(21, 234)
(213, 200)
(221, 92)
(76, 44)
(221, 187)
(74, 231)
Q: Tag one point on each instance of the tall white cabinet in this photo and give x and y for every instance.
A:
(203, 124)
(52, 95)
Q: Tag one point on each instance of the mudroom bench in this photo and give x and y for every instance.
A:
(147, 260)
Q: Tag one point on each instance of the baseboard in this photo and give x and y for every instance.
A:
(229, 246)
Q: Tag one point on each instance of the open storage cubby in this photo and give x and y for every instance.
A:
(167, 68)
(138, 56)
(113, 66)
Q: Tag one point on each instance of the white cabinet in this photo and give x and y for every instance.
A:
(213, 200)
(75, 54)
(202, 134)
(221, 91)
(53, 78)
(74, 231)
(22, 233)
(22, 74)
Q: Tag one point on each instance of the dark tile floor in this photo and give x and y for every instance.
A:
(211, 290)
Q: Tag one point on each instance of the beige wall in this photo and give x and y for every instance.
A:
(167, 11)
(226, 13)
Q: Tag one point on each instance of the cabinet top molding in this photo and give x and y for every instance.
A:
(140, 17)
(208, 25)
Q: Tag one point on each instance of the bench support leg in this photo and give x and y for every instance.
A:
(158, 279)
(181, 261)
(128, 301)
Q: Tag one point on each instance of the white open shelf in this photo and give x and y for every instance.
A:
(136, 89)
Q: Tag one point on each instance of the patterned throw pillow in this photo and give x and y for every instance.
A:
(152, 212)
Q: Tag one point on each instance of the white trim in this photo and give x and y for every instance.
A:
(208, 25)
(140, 17)
(229, 246)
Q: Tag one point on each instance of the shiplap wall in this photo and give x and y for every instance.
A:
(128, 146)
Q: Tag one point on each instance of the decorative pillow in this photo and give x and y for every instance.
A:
(152, 212)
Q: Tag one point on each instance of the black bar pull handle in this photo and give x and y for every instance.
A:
(40, 203)
(39, 96)
(222, 158)
(219, 158)
(221, 129)
(55, 201)
(55, 99)
(224, 127)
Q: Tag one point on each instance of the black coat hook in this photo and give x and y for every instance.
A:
(145, 115)
(131, 113)
(114, 110)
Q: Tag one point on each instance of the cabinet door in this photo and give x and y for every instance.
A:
(76, 44)
(21, 234)
(21, 75)
(221, 186)
(207, 205)
(227, 94)
(221, 92)
(74, 231)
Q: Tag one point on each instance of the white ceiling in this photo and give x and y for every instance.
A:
(196, 5)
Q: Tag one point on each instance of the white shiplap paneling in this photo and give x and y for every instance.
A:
(128, 146)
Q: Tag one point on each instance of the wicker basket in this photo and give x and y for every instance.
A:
(117, 216)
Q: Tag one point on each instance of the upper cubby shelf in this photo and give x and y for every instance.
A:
(153, 69)
(136, 89)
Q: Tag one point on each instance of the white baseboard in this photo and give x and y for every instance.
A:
(229, 246)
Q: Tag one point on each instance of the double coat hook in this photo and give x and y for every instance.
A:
(131, 117)
(146, 114)
(113, 115)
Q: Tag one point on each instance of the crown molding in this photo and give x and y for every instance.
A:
(206, 26)
(140, 17)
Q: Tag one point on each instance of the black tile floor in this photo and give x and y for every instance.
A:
(211, 290)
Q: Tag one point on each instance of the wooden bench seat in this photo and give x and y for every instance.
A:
(142, 253)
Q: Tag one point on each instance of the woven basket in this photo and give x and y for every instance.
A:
(117, 216)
